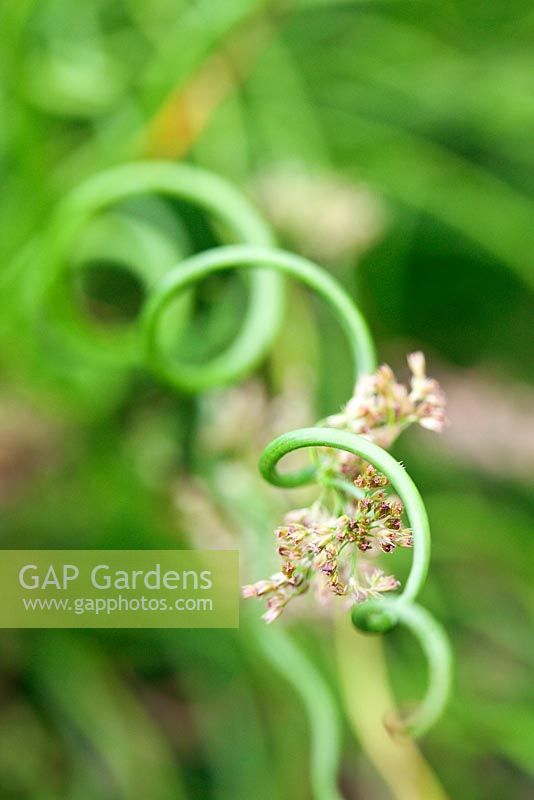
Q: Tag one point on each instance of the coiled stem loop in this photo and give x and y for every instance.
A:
(184, 182)
(379, 458)
(245, 351)
(381, 616)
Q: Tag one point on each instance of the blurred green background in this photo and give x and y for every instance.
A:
(391, 142)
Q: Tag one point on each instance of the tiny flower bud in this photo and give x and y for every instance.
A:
(397, 508)
(364, 505)
(416, 362)
(384, 509)
(338, 589)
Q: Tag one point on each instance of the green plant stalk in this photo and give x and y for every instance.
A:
(382, 460)
(213, 195)
(368, 701)
(245, 351)
(287, 657)
(434, 643)
(290, 661)
(381, 616)
(373, 616)
(256, 335)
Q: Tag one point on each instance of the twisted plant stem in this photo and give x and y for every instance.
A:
(283, 652)
(434, 643)
(368, 703)
(377, 616)
(245, 351)
(381, 616)
(379, 458)
(259, 328)
(213, 195)
(293, 664)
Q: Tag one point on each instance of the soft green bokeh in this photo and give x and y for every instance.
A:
(392, 143)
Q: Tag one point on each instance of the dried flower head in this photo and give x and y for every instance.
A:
(336, 553)
(382, 406)
(327, 552)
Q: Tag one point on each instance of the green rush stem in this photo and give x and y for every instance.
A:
(289, 660)
(367, 700)
(259, 328)
(279, 648)
(214, 196)
(245, 350)
(379, 458)
(382, 615)
(435, 645)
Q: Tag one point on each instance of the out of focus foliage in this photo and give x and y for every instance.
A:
(391, 141)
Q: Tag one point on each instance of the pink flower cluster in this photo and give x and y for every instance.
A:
(318, 550)
(383, 407)
(336, 554)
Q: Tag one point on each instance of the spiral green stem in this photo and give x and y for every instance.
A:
(184, 182)
(306, 681)
(246, 352)
(382, 460)
(381, 616)
(260, 324)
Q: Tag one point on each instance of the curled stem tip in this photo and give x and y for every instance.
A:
(245, 351)
(379, 458)
(435, 645)
(381, 616)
